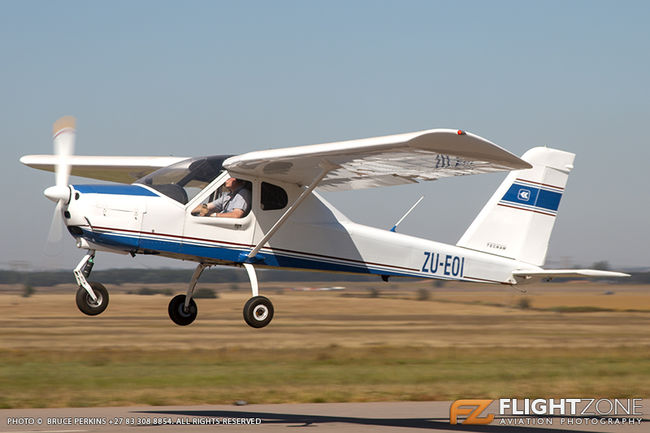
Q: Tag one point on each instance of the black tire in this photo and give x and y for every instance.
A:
(258, 312)
(177, 311)
(86, 304)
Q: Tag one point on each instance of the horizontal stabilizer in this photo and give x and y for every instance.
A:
(565, 273)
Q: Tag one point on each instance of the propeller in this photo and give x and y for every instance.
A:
(63, 137)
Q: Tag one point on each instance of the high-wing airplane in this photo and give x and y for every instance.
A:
(152, 210)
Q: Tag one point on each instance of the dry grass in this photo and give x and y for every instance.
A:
(450, 318)
(328, 346)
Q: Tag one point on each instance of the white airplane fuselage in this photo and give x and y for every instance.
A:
(138, 219)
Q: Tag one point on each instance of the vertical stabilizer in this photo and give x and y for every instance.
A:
(517, 221)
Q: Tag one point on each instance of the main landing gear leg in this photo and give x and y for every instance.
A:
(182, 308)
(258, 311)
(92, 297)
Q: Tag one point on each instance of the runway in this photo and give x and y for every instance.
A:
(321, 417)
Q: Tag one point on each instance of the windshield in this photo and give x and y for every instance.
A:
(183, 180)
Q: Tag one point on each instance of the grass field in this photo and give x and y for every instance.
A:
(460, 342)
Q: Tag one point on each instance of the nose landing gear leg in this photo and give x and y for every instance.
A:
(92, 297)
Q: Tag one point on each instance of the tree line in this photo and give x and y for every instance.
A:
(217, 274)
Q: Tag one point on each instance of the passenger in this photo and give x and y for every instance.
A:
(235, 204)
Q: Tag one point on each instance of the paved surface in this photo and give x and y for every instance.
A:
(318, 417)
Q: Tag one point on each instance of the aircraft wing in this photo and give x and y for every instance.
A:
(379, 161)
(122, 169)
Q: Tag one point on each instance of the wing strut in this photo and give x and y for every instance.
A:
(326, 167)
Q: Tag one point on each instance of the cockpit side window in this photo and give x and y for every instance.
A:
(229, 196)
(183, 180)
(273, 197)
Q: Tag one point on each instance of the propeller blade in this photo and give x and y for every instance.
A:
(56, 227)
(64, 137)
(53, 252)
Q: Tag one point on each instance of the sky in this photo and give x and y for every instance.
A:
(207, 77)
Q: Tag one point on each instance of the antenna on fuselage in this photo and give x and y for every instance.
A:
(406, 214)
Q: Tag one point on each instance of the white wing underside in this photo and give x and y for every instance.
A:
(122, 169)
(380, 161)
(371, 162)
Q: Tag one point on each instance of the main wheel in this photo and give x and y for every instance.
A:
(86, 304)
(258, 312)
(177, 311)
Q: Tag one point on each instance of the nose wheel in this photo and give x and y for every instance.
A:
(92, 297)
(87, 304)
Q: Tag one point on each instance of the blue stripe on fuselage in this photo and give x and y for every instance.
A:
(232, 254)
(115, 189)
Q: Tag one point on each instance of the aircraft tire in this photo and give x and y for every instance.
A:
(258, 312)
(86, 304)
(177, 311)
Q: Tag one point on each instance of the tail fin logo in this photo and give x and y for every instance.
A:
(533, 196)
(524, 194)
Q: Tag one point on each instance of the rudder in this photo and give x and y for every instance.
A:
(518, 219)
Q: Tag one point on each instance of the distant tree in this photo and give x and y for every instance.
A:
(638, 278)
(423, 294)
(205, 293)
(602, 265)
(28, 290)
(146, 291)
(11, 277)
(524, 303)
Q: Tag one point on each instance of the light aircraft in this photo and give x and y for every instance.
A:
(150, 211)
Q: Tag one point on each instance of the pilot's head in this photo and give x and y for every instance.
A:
(233, 183)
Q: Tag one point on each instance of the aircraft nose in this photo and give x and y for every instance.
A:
(78, 209)
(58, 193)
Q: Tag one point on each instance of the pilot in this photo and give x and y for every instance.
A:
(235, 204)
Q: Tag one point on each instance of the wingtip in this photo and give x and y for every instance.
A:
(26, 159)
